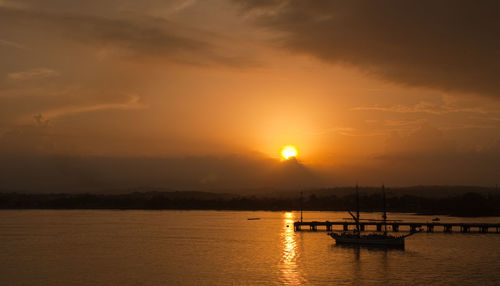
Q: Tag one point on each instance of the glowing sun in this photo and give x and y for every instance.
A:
(288, 152)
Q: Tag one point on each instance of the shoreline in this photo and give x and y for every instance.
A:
(466, 205)
(250, 210)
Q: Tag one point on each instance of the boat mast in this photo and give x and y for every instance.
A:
(357, 208)
(301, 206)
(384, 215)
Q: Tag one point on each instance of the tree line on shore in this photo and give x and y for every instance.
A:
(468, 204)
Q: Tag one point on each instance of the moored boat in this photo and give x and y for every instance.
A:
(369, 239)
(375, 239)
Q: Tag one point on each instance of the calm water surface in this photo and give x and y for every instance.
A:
(44, 247)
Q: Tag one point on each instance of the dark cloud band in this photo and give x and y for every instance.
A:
(447, 45)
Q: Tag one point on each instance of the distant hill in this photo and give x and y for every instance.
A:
(420, 191)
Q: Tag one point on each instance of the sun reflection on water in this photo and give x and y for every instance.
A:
(288, 264)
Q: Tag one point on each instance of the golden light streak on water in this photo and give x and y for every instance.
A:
(290, 273)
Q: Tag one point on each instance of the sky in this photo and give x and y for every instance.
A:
(191, 94)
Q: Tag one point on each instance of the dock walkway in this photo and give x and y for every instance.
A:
(399, 226)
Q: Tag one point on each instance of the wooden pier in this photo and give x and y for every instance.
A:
(399, 226)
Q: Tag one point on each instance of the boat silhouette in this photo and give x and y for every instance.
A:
(374, 239)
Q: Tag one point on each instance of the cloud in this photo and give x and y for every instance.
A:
(350, 131)
(402, 122)
(446, 45)
(38, 73)
(33, 95)
(131, 101)
(421, 107)
(428, 156)
(12, 44)
(131, 35)
(425, 156)
(425, 140)
(90, 173)
(27, 139)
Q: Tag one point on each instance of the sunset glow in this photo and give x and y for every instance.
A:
(289, 151)
(208, 93)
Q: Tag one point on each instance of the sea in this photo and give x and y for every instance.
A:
(139, 247)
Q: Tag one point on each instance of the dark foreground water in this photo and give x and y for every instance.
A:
(43, 247)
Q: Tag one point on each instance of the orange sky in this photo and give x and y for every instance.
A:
(404, 95)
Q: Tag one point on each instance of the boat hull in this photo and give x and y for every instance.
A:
(368, 240)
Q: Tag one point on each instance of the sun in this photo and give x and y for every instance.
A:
(288, 151)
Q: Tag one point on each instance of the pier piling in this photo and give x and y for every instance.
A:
(395, 227)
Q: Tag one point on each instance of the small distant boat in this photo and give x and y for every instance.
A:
(376, 239)
(436, 219)
(253, 218)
